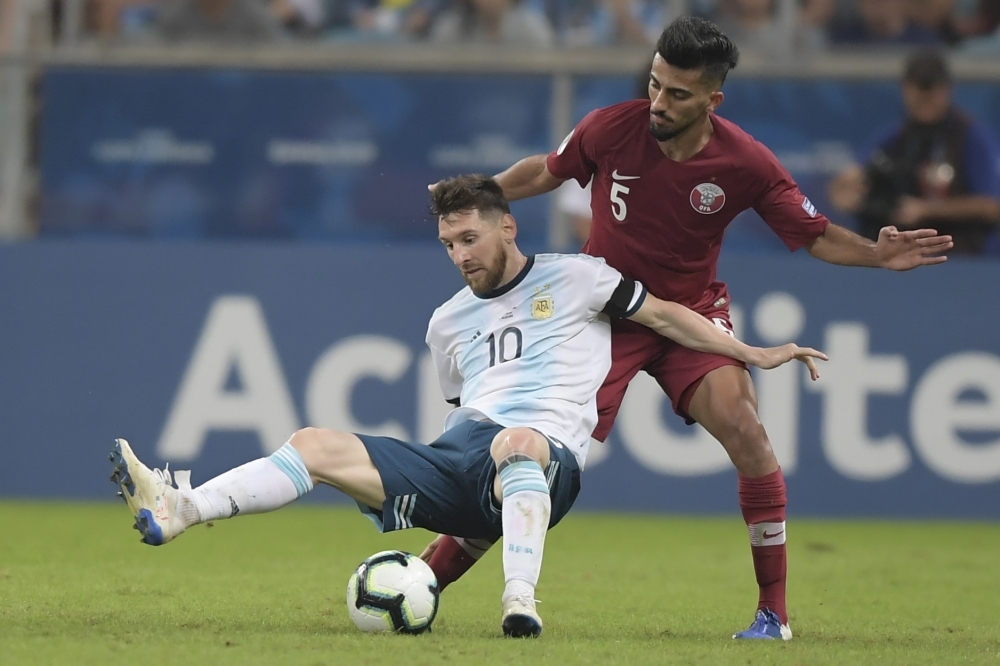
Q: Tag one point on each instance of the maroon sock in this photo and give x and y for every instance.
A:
(762, 501)
(450, 561)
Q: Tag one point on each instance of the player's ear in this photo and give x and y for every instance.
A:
(715, 100)
(508, 227)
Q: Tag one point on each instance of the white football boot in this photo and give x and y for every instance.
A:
(150, 494)
(520, 619)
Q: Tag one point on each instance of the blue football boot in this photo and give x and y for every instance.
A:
(766, 626)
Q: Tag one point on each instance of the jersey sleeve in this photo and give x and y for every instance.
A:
(576, 155)
(782, 205)
(449, 377)
(613, 294)
(626, 299)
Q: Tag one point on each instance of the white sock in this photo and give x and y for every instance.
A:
(526, 508)
(259, 486)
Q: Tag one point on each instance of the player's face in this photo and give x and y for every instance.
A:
(679, 98)
(477, 247)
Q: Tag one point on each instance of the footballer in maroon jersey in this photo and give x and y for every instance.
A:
(668, 177)
(673, 248)
(664, 220)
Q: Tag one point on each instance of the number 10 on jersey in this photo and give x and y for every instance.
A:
(500, 346)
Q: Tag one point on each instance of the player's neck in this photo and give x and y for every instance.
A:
(515, 264)
(690, 142)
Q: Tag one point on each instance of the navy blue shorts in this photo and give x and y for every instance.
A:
(447, 486)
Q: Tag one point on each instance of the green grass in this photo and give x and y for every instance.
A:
(76, 587)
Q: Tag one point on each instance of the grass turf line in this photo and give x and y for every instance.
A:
(76, 587)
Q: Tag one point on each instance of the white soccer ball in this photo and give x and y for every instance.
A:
(393, 591)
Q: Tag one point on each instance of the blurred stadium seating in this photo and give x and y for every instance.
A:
(323, 119)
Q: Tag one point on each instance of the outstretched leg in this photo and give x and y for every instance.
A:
(520, 455)
(726, 405)
(162, 512)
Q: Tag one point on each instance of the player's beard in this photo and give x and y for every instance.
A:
(490, 278)
(663, 134)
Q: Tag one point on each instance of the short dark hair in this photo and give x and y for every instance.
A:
(691, 42)
(468, 192)
(927, 69)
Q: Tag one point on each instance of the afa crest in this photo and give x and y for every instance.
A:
(542, 306)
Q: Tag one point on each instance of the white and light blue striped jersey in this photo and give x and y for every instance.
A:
(533, 352)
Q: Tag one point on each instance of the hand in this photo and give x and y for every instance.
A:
(772, 357)
(902, 250)
(431, 547)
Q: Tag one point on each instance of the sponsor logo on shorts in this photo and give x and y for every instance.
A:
(402, 509)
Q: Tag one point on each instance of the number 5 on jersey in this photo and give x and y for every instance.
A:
(618, 207)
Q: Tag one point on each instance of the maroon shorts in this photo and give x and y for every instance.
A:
(677, 369)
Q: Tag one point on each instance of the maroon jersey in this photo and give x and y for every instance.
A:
(661, 222)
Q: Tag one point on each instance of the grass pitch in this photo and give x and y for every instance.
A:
(76, 587)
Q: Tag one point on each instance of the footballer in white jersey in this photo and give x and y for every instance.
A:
(533, 352)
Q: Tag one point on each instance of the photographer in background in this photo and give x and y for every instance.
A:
(938, 169)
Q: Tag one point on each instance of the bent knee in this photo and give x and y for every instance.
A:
(319, 447)
(523, 441)
(745, 436)
(748, 447)
(749, 431)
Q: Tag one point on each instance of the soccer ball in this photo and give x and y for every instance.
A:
(393, 591)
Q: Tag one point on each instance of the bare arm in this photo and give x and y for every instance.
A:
(527, 178)
(896, 250)
(690, 329)
(838, 245)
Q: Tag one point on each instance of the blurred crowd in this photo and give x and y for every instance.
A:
(776, 28)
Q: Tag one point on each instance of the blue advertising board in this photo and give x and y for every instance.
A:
(208, 355)
(170, 153)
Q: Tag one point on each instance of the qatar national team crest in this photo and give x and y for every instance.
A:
(708, 198)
